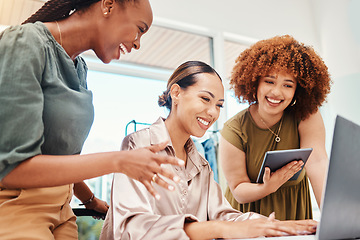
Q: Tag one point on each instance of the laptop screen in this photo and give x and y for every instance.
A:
(340, 209)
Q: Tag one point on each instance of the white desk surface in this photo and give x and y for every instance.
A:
(303, 237)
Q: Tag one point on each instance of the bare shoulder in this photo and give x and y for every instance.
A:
(313, 122)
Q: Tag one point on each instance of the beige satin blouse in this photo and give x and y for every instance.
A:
(135, 214)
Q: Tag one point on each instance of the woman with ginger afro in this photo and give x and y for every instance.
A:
(285, 82)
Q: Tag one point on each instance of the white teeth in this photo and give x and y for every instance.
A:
(123, 48)
(203, 121)
(273, 100)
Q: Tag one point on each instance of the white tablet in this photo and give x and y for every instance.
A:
(279, 158)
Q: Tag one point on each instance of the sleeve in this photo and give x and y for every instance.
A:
(220, 209)
(232, 132)
(131, 214)
(21, 98)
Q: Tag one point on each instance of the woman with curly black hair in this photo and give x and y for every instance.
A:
(285, 82)
(46, 112)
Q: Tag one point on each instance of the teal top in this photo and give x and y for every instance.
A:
(45, 106)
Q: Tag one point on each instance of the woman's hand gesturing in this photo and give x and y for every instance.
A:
(144, 165)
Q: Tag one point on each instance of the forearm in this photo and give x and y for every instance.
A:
(312, 134)
(82, 191)
(317, 175)
(49, 171)
(317, 189)
(204, 230)
(249, 192)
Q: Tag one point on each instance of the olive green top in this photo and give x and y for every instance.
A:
(45, 106)
(292, 200)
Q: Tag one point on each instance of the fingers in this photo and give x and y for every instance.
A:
(289, 170)
(271, 216)
(165, 159)
(307, 222)
(302, 227)
(162, 171)
(294, 166)
(151, 189)
(281, 229)
(286, 228)
(305, 230)
(168, 174)
(153, 179)
(161, 182)
(156, 178)
(276, 233)
(273, 228)
(306, 226)
(151, 165)
(266, 176)
(158, 147)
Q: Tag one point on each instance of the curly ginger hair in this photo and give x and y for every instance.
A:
(283, 53)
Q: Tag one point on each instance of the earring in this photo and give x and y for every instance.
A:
(293, 103)
(106, 13)
(254, 96)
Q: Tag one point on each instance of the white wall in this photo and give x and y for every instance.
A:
(251, 18)
(338, 25)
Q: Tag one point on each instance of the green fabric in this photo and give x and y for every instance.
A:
(45, 107)
(292, 200)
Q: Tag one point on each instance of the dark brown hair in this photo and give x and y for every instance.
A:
(54, 10)
(283, 53)
(184, 76)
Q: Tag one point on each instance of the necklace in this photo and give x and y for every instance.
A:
(59, 33)
(277, 139)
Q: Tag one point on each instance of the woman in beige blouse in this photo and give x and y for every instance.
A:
(195, 208)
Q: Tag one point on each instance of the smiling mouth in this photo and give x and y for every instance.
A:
(123, 49)
(206, 123)
(274, 101)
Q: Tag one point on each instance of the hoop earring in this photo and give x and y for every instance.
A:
(293, 103)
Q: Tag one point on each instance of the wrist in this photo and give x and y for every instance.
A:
(117, 161)
(220, 228)
(269, 189)
(90, 200)
(206, 230)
